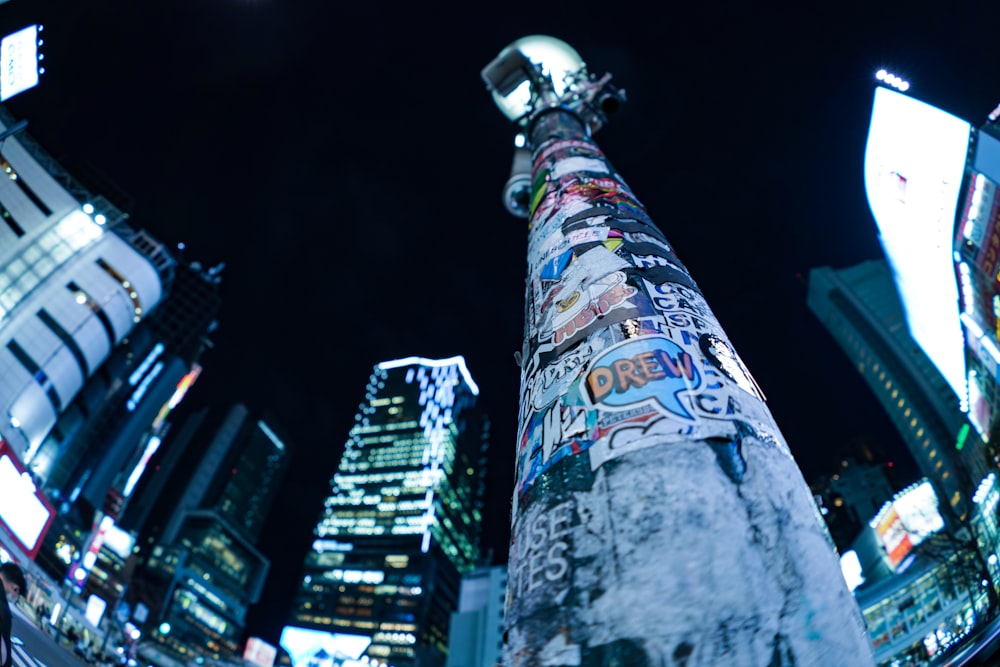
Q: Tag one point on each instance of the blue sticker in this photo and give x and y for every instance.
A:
(640, 370)
(554, 267)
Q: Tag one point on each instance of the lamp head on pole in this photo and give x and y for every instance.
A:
(534, 74)
(538, 72)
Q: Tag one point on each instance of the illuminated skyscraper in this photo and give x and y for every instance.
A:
(860, 308)
(402, 521)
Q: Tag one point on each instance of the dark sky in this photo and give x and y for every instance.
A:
(345, 161)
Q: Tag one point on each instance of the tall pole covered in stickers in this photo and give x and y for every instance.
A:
(658, 516)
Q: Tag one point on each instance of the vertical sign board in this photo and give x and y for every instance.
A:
(19, 51)
(24, 512)
(894, 537)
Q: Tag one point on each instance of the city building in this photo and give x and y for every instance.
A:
(861, 309)
(74, 282)
(919, 586)
(475, 638)
(920, 613)
(977, 257)
(200, 569)
(84, 374)
(921, 328)
(91, 461)
(401, 524)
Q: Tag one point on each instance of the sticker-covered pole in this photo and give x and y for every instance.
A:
(658, 518)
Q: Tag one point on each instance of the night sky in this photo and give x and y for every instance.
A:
(345, 161)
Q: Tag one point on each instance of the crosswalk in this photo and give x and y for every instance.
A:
(22, 658)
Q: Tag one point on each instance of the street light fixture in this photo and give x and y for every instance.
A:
(538, 73)
(658, 516)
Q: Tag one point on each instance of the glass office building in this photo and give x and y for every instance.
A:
(402, 521)
(204, 570)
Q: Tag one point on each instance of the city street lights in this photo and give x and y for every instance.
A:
(658, 516)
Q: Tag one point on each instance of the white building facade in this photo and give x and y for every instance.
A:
(70, 289)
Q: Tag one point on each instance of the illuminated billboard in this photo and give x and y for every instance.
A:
(19, 51)
(260, 653)
(317, 648)
(914, 163)
(893, 536)
(24, 512)
(979, 224)
(980, 412)
(907, 520)
(117, 540)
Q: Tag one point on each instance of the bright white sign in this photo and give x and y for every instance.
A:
(20, 508)
(306, 646)
(850, 567)
(914, 163)
(95, 609)
(19, 51)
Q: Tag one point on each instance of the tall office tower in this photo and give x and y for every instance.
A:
(860, 308)
(75, 281)
(402, 522)
(204, 570)
(475, 638)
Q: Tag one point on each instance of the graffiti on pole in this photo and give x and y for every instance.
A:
(641, 429)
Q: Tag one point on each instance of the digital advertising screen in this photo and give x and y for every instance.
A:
(316, 648)
(914, 163)
(259, 652)
(892, 533)
(907, 520)
(24, 512)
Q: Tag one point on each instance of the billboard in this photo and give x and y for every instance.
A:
(893, 536)
(19, 51)
(316, 648)
(914, 163)
(979, 223)
(24, 512)
(906, 520)
(260, 653)
(980, 412)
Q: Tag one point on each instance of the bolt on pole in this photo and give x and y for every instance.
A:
(659, 517)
